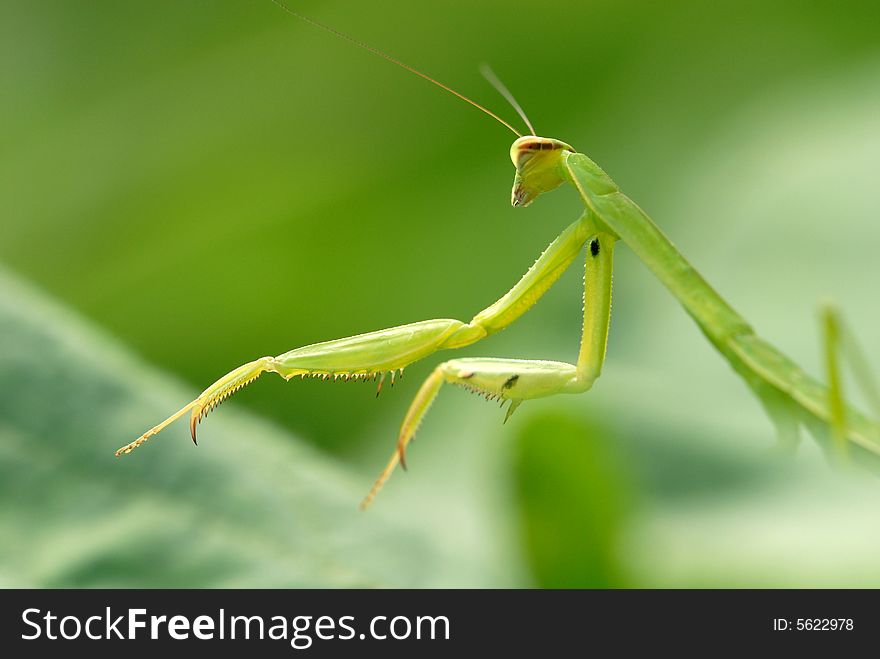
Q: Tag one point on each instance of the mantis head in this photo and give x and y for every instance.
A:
(538, 162)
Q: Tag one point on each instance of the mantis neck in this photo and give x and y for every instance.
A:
(624, 219)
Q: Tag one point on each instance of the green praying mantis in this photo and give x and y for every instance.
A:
(790, 396)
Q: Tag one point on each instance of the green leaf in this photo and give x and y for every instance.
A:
(574, 496)
(250, 506)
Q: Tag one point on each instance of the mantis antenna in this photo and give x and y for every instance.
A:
(385, 56)
(502, 89)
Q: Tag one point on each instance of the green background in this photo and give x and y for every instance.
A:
(187, 186)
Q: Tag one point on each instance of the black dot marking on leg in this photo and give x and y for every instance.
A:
(594, 247)
(511, 381)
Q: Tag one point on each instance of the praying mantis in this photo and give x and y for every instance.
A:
(790, 396)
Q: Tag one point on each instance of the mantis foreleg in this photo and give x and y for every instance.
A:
(372, 355)
(516, 380)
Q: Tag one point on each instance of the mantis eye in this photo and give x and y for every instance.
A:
(520, 158)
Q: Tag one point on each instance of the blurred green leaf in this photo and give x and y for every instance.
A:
(574, 496)
(250, 506)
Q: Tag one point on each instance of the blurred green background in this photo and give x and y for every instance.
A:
(187, 186)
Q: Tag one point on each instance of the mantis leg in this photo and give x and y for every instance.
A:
(374, 355)
(836, 406)
(837, 342)
(516, 380)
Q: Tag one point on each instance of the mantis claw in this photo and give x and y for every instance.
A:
(208, 400)
(401, 455)
(224, 388)
(510, 410)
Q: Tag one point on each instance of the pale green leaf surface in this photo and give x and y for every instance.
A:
(251, 506)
